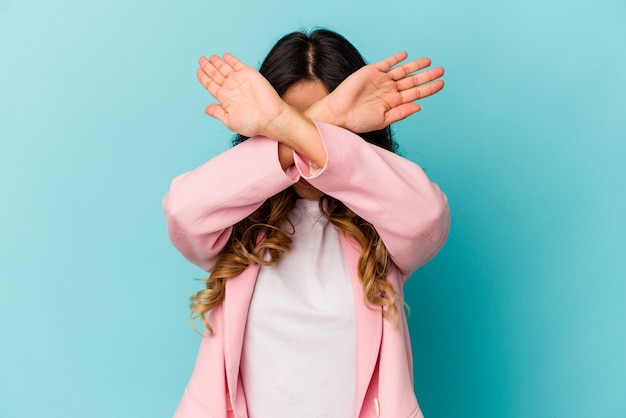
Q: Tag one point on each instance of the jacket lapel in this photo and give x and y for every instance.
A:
(368, 320)
(239, 291)
(368, 325)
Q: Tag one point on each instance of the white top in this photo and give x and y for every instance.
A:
(299, 350)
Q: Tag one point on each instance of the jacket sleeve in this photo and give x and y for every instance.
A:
(202, 205)
(409, 212)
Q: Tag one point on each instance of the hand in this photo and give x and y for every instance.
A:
(247, 103)
(379, 94)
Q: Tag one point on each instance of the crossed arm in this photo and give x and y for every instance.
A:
(409, 212)
(370, 99)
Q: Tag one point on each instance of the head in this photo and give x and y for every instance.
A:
(309, 61)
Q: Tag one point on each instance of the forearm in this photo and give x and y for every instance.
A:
(295, 131)
(318, 112)
(321, 112)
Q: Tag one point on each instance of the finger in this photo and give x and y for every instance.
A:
(202, 60)
(401, 112)
(420, 92)
(211, 70)
(404, 70)
(389, 62)
(203, 78)
(207, 81)
(216, 111)
(234, 62)
(221, 65)
(419, 78)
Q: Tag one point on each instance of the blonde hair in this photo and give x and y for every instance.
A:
(261, 233)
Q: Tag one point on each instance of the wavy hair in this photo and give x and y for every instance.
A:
(261, 238)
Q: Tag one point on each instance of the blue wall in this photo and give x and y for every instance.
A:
(522, 313)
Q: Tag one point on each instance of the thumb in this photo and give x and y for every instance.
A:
(216, 111)
(401, 112)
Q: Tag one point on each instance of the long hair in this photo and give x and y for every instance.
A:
(261, 238)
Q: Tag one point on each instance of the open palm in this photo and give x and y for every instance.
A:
(379, 94)
(247, 103)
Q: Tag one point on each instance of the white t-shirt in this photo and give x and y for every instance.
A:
(299, 350)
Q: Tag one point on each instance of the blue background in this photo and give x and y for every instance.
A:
(521, 314)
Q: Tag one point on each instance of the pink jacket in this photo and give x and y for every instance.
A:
(409, 212)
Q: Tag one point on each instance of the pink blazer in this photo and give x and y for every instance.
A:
(409, 212)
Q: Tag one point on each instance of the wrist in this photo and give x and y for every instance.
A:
(285, 125)
(296, 131)
(285, 156)
(322, 111)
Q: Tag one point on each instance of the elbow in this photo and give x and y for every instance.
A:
(174, 201)
(178, 220)
(435, 219)
(431, 233)
(180, 207)
(440, 233)
(440, 220)
(192, 233)
(173, 217)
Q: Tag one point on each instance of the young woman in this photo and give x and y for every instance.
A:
(308, 226)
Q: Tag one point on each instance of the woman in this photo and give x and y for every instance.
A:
(309, 229)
